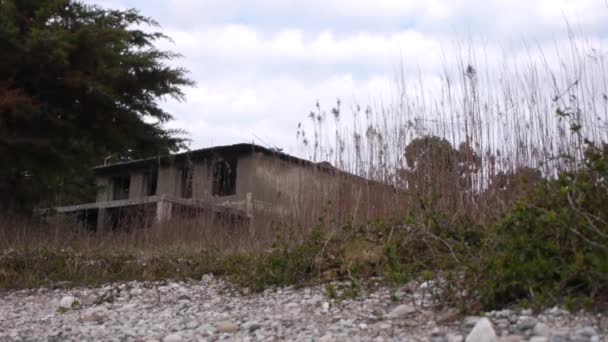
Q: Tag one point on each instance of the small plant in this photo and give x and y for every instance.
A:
(331, 292)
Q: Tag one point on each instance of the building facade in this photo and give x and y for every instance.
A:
(234, 180)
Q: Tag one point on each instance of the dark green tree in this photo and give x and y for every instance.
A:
(77, 83)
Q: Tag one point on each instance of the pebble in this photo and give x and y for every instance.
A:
(96, 315)
(401, 311)
(482, 332)
(454, 338)
(173, 338)
(67, 302)
(471, 320)
(538, 339)
(211, 309)
(541, 329)
(226, 327)
(527, 323)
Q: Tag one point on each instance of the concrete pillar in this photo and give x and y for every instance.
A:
(102, 214)
(137, 187)
(104, 189)
(249, 210)
(163, 210)
(249, 204)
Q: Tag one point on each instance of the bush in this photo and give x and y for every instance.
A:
(553, 246)
(285, 264)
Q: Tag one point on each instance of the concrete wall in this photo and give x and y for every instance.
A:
(168, 181)
(137, 185)
(276, 184)
(288, 185)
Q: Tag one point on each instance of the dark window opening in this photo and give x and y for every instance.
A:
(186, 182)
(224, 178)
(121, 187)
(150, 182)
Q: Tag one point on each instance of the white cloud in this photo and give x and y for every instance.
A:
(261, 65)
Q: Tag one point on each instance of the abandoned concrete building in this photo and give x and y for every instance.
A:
(234, 180)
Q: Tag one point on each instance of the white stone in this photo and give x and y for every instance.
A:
(94, 315)
(67, 302)
(538, 339)
(470, 321)
(326, 338)
(541, 329)
(192, 325)
(401, 311)
(127, 307)
(173, 338)
(454, 338)
(482, 332)
(226, 327)
(291, 306)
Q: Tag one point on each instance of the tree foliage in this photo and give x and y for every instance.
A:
(435, 167)
(77, 83)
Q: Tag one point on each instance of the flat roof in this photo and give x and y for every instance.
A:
(242, 148)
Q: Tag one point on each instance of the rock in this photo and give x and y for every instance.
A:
(527, 323)
(399, 294)
(482, 332)
(173, 338)
(538, 339)
(291, 306)
(526, 312)
(183, 297)
(454, 338)
(326, 338)
(207, 329)
(127, 307)
(560, 335)
(511, 338)
(192, 324)
(135, 292)
(252, 326)
(95, 315)
(401, 311)
(586, 331)
(470, 321)
(448, 315)
(68, 302)
(541, 329)
(207, 278)
(226, 327)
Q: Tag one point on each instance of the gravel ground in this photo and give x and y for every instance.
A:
(210, 310)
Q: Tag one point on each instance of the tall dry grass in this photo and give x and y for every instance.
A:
(503, 114)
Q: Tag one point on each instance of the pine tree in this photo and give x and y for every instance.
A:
(77, 83)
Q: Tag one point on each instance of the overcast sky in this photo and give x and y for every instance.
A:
(260, 65)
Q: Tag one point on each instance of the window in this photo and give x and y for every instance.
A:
(121, 187)
(150, 182)
(186, 182)
(224, 178)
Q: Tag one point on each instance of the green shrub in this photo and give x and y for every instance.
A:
(285, 264)
(553, 246)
